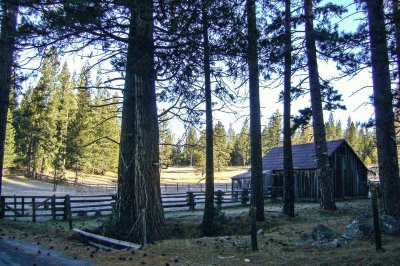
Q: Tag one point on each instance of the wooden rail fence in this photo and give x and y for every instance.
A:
(165, 187)
(68, 207)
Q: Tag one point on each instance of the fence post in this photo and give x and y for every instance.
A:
(177, 187)
(23, 206)
(2, 207)
(377, 227)
(53, 206)
(67, 210)
(15, 207)
(220, 197)
(190, 200)
(66, 203)
(144, 227)
(33, 210)
(245, 196)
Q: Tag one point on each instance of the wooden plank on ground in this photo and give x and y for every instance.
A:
(108, 240)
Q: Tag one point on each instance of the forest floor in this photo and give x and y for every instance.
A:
(277, 244)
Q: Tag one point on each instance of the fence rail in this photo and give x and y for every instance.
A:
(68, 207)
(165, 187)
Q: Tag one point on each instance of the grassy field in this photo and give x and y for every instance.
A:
(185, 246)
(184, 175)
(16, 183)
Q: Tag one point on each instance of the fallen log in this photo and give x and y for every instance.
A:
(110, 242)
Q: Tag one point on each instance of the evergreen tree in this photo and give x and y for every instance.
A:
(35, 120)
(243, 144)
(201, 153)
(8, 33)
(384, 117)
(105, 132)
(189, 151)
(79, 132)
(221, 152)
(330, 128)
(257, 197)
(177, 154)
(64, 103)
(351, 134)
(166, 141)
(339, 130)
(272, 133)
(232, 138)
(325, 180)
(9, 148)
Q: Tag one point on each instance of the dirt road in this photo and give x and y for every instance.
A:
(16, 252)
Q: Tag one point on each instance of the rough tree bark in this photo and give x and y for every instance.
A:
(139, 176)
(321, 150)
(384, 117)
(7, 48)
(288, 206)
(208, 216)
(255, 116)
(396, 24)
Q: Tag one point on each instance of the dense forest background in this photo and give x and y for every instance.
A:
(67, 121)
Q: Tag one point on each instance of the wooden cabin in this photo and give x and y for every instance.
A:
(347, 170)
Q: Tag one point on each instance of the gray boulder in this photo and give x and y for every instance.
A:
(336, 243)
(359, 228)
(321, 232)
(389, 225)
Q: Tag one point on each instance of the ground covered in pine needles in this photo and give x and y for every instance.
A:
(277, 240)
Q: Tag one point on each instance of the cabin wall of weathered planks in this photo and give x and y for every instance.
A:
(348, 172)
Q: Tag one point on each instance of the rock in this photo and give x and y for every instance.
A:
(359, 228)
(304, 238)
(321, 232)
(336, 243)
(260, 232)
(390, 225)
(320, 244)
(246, 260)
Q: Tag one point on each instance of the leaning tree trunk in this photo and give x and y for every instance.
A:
(385, 132)
(208, 226)
(7, 48)
(255, 113)
(321, 150)
(139, 176)
(288, 206)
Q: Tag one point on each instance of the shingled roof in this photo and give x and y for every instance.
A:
(303, 156)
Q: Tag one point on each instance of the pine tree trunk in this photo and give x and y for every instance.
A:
(321, 150)
(288, 207)
(208, 216)
(396, 24)
(255, 116)
(385, 132)
(7, 47)
(35, 157)
(139, 176)
(42, 166)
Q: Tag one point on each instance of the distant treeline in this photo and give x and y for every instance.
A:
(67, 121)
(62, 123)
(233, 149)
